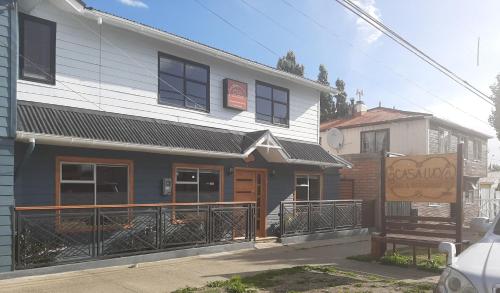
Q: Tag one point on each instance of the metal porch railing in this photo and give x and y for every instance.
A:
(307, 217)
(47, 236)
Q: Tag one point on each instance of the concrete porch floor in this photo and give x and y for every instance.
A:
(168, 275)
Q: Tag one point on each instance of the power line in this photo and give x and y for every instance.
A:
(416, 84)
(413, 49)
(236, 28)
(271, 19)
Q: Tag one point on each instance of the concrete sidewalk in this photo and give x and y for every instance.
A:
(168, 275)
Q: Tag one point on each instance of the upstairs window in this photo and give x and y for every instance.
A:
(182, 83)
(375, 141)
(37, 49)
(272, 104)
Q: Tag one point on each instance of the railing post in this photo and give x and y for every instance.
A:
(309, 217)
(97, 232)
(334, 216)
(159, 227)
(248, 227)
(355, 210)
(209, 224)
(254, 215)
(282, 221)
(15, 239)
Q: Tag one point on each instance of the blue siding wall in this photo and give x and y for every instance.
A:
(36, 182)
(8, 67)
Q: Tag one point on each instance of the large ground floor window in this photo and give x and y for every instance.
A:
(198, 183)
(308, 186)
(91, 181)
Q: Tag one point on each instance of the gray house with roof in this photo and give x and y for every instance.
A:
(111, 129)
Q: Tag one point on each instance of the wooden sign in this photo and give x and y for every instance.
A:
(429, 178)
(235, 94)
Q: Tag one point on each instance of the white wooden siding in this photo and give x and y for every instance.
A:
(406, 137)
(96, 75)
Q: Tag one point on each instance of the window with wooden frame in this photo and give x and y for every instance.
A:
(198, 183)
(37, 49)
(272, 104)
(308, 186)
(93, 181)
(375, 141)
(183, 83)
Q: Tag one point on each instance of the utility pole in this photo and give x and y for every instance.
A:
(477, 56)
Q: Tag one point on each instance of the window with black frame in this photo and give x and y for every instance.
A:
(271, 104)
(197, 185)
(375, 141)
(183, 83)
(93, 184)
(37, 49)
(307, 187)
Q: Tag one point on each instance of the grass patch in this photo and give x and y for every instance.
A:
(404, 258)
(309, 279)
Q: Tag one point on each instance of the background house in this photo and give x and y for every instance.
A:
(361, 138)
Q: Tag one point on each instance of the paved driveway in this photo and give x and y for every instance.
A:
(165, 276)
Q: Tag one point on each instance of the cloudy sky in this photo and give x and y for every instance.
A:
(323, 32)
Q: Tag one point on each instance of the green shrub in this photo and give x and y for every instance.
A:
(186, 290)
(396, 259)
(432, 265)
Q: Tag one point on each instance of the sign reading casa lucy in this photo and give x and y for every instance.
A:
(235, 94)
(428, 178)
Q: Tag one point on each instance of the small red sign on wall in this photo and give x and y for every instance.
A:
(235, 94)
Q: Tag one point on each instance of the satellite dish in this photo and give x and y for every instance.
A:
(335, 138)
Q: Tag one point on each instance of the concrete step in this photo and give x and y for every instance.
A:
(270, 239)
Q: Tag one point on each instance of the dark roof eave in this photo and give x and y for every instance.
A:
(75, 126)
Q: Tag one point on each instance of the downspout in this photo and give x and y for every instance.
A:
(27, 154)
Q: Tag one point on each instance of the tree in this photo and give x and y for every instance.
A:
(289, 64)
(343, 108)
(327, 105)
(495, 114)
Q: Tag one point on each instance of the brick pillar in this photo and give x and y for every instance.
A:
(8, 74)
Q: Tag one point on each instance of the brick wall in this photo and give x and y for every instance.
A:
(366, 174)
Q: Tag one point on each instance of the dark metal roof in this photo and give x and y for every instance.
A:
(306, 151)
(73, 122)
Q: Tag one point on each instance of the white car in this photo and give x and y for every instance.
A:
(477, 269)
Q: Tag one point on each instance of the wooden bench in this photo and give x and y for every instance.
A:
(415, 231)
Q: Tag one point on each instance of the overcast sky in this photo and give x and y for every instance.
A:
(447, 30)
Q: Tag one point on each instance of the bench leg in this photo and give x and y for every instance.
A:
(414, 255)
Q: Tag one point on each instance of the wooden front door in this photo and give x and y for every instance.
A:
(251, 185)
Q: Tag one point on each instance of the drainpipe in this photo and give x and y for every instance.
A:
(29, 151)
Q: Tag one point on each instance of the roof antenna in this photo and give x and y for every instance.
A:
(359, 93)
